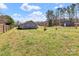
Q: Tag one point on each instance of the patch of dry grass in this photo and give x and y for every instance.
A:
(64, 41)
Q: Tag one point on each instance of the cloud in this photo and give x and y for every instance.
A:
(27, 7)
(59, 6)
(36, 13)
(16, 15)
(56, 7)
(3, 6)
(37, 16)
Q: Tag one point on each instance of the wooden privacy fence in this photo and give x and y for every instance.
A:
(4, 28)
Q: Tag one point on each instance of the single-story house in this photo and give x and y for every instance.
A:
(42, 23)
(28, 25)
(76, 24)
(67, 23)
(3, 24)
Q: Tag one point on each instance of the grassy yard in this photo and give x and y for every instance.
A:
(64, 41)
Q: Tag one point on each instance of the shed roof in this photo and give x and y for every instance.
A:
(3, 19)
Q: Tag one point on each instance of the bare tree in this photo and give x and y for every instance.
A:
(49, 15)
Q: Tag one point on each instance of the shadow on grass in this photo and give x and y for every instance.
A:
(26, 28)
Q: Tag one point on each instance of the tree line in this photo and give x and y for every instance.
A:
(63, 14)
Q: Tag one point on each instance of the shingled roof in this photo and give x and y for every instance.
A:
(28, 25)
(3, 19)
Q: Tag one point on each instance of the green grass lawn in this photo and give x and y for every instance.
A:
(64, 41)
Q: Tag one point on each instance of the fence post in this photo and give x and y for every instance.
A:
(3, 28)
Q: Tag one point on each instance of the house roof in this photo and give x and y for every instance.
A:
(3, 19)
(28, 25)
(28, 22)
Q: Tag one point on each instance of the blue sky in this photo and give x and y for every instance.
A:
(29, 11)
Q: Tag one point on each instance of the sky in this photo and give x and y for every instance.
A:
(29, 11)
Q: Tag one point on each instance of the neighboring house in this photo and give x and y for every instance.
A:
(67, 23)
(76, 24)
(28, 25)
(3, 24)
(42, 23)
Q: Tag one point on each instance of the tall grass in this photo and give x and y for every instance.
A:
(64, 41)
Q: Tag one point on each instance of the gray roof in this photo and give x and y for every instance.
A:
(29, 24)
(3, 19)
